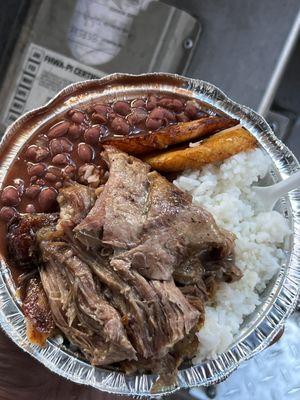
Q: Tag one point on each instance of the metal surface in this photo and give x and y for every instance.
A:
(240, 47)
(244, 45)
(279, 299)
(271, 375)
(158, 26)
(12, 15)
(281, 64)
(287, 96)
(293, 139)
(279, 123)
(155, 40)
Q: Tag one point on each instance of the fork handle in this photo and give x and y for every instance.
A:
(283, 187)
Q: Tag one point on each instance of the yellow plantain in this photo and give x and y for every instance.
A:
(172, 134)
(216, 148)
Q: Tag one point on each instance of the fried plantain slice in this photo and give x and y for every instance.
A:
(216, 148)
(172, 134)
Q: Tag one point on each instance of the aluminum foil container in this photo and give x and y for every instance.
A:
(278, 300)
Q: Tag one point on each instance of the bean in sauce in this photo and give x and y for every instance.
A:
(69, 148)
(32, 191)
(61, 145)
(85, 152)
(77, 116)
(61, 159)
(37, 153)
(59, 129)
(7, 214)
(47, 199)
(51, 177)
(69, 172)
(10, 196)
(92, 134)
(137, 116)
(75, 131)
(120, 126)
(121, 107)
(36, 169)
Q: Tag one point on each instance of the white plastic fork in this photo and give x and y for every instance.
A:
(268, 195)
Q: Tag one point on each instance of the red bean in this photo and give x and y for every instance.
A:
(190, 109)
(36, 153)
(137, 116)
(157, 117)
(61, 159)
(98, 118)
(30, 209)
(177, 105)
(59, 129)
(138, 103)
(172, 104)
(51, 177)
(42, 140)
(157, 113)
(121, 107)
(31, 152)
(61, 145)
(71, 112)
(160, 113)
(101, 109)
(111, 116)
(58, 185)
(92, 135)
(153, 124)
(10, 196)
(78, 117)
(47, 199)
(69, 172)
(41, 153)
(8, 213)
(32, 191)
(36, 169)
(119, 125)
(169, 116)
(151, 102)
(55, 170)
(75, 131)
(85, 152)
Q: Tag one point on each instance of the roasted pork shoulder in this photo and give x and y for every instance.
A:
(127, 267)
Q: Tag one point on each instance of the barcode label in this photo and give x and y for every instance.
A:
(44, 73)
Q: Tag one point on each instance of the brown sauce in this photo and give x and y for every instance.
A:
(60, 151)
(70, 149)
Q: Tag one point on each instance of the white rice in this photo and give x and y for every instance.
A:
(225, 191)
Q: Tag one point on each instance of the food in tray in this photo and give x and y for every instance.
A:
(135, 270)
(70, 148)
(171, 135)
(216, 148)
